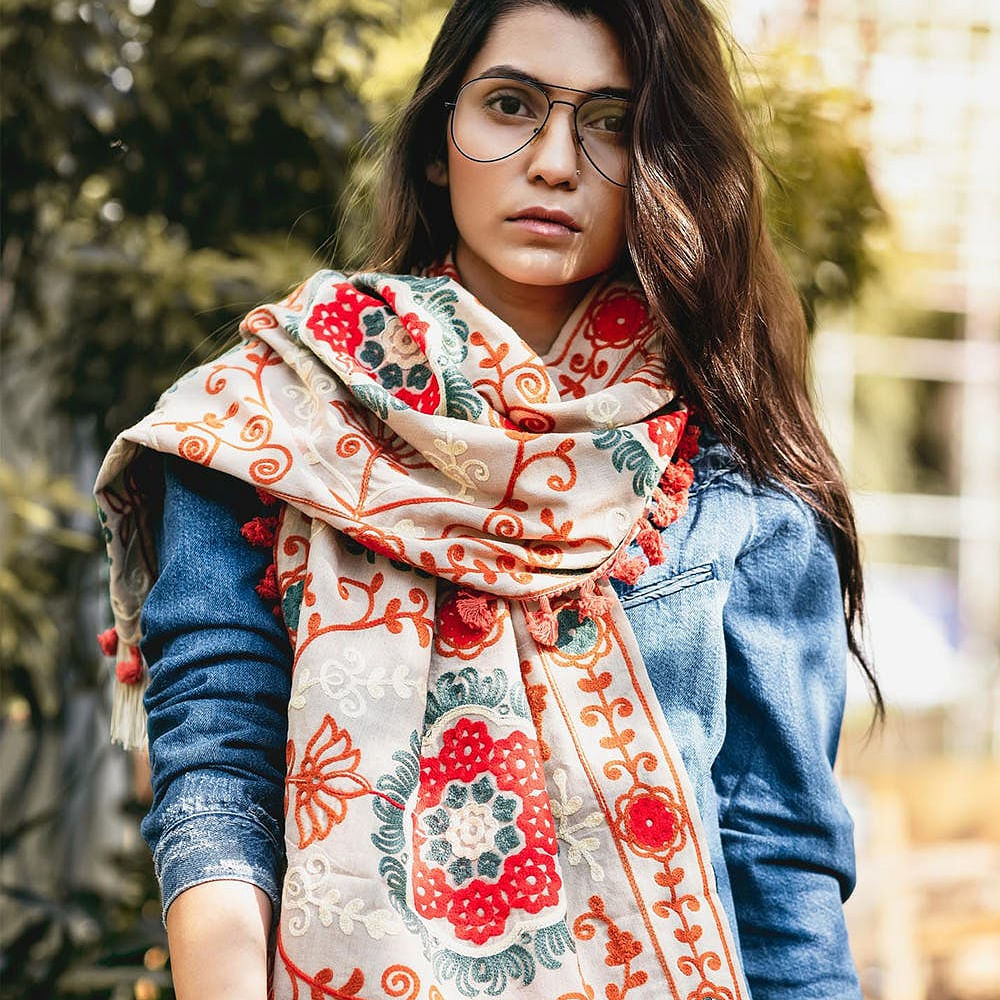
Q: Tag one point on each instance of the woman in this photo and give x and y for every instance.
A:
(551, 692)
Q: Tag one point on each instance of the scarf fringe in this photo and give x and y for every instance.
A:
(128, 717)
(476, 610)
(128, 714)
(542, 624)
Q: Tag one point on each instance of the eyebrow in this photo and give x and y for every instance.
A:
(512, 72)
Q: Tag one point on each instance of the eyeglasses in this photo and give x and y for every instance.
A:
(494, 117)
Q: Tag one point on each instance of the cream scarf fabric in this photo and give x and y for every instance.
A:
(483, 797)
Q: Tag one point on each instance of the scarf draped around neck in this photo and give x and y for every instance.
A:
(483, 798)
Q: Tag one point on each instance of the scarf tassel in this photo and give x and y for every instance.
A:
(542, 624)
(626, 568)
(476, 610)
(591, 602)
(651, 542)
(128, 716)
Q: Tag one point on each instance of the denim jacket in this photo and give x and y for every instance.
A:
(742, 632)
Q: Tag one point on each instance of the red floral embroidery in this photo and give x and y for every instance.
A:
(518, 764)
(337, 322)
(426, 401)
(465, 752)
(532, 879)
(617, 322)
(479, 912)
(650, 822)
(484, 841)
(664, 431)
(431, 891)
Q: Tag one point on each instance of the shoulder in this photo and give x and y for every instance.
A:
(753, 514)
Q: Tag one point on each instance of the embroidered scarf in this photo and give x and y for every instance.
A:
(483, 798)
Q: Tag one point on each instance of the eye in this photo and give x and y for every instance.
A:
(606, 119)
(509, 105)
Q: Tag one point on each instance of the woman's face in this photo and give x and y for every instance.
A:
(489, 200)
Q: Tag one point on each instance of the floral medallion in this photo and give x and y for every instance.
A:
(471, 861)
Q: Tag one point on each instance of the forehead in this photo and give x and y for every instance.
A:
(549, 44)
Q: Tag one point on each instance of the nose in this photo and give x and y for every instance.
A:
(554, 153)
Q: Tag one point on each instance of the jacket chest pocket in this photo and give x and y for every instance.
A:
(667, 585)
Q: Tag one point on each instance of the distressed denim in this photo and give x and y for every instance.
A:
(742, 633)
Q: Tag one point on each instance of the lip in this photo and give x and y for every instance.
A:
(548, 221)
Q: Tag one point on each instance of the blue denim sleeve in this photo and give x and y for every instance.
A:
(786, 835)
(217, 698)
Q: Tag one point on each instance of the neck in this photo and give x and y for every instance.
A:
(536, 312)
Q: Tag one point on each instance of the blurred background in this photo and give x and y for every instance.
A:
(168, 165)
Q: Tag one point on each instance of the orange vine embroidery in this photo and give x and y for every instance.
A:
(621, 947)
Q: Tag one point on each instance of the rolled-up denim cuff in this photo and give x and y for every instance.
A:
(218, 842)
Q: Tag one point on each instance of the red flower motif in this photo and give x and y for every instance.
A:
(617, 322)
(338, 322)
(536, 823)
(433, 780)
(465, 752)
(531, 880)
(325, 781)
(425, 401)
(431, 892)
(664, 432)
(478, 912)
(650, 822)
(484, 841)
(517, 763)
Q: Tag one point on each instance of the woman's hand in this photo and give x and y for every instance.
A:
(218, 936)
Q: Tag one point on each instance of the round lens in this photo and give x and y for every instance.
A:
(495, 117)
(603, 126)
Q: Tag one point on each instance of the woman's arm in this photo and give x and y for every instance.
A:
(217, 703)
(786, 835)
(218, 937)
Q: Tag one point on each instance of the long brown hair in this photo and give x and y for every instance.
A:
(696, 235)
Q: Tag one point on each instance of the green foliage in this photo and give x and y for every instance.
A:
(163, 174)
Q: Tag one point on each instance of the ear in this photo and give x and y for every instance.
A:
(437, 173)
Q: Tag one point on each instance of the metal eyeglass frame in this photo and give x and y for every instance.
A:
(541, 88)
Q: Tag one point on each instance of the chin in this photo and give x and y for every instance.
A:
(542, 266)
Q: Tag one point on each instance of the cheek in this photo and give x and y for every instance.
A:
(610, 230)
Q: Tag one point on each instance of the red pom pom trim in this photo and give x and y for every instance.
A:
(268, 586)
(108, 641)
(130, 671)
(259, 531)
